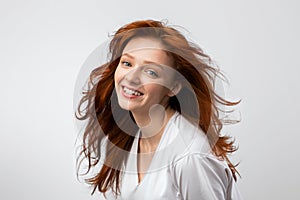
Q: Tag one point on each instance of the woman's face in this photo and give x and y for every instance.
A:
(144, 75)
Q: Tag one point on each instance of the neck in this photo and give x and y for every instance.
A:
(152, 126)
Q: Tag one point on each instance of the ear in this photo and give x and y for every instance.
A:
(175, 90)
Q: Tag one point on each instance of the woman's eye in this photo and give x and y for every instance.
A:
(151, 73)
(127, 64)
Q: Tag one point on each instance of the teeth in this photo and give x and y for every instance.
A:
(131, 92)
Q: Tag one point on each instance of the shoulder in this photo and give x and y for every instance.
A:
(195, 152)
(195, 169)
(197, 174)
(192, 138)
(202, 164)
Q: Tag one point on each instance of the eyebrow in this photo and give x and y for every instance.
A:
(145, 62)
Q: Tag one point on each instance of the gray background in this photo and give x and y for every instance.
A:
(44, 44)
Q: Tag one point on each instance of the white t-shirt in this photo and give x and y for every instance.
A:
(182, 168)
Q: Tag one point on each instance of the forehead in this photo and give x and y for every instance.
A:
(148, 49)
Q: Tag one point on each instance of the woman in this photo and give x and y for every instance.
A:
(153, 129)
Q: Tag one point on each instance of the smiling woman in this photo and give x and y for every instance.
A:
(141, 81)
(153, 127)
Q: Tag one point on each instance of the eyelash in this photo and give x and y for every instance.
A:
(151, 72)
(148, 71)
(128, 64)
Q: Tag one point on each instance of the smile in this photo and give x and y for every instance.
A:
(131, 91)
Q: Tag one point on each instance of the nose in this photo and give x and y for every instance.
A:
(133, 76)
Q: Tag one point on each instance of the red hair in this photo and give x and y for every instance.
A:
(98, 102)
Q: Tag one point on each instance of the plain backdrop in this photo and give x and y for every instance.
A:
(43, 45)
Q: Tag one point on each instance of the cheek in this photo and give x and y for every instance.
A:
(119, 74)
(156, 90)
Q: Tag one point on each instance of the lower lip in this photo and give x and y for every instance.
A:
(129, 96)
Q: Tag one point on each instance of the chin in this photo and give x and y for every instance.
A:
(125, 106)
(128, 105)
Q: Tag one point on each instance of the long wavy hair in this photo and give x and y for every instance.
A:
(98, 104)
